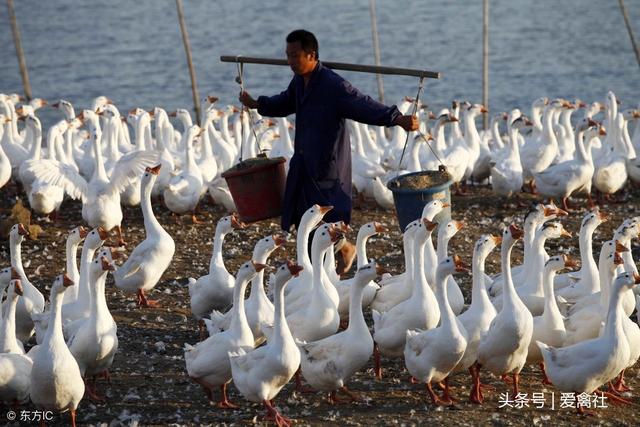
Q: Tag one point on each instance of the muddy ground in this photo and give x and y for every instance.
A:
(149, 385)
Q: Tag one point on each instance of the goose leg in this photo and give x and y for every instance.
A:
(202, 329)
(224, 401)
(377, 367)
(447, 392)
(516, 384)
(90, 391)
(620, 385)
(144, 302)
(352, 396)
(274, 415)
(565, 204)
(118, 229)
(434, 397)
(73, 417)
(300, 388)
(545, 378)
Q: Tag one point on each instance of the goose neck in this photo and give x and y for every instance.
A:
(54, 331)
(8, 327)
(357, 324)
(218, 239)
(478, 290)
(550, 304)
(361, 250)
(447, 317)
(151, 224)
(509, 294)
(71, 255)
(239, 322)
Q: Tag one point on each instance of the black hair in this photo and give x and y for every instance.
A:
(307, 40)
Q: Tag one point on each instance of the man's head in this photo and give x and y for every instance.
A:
(302, 51)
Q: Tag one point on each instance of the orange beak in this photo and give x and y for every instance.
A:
(258, 267)
(295, 269)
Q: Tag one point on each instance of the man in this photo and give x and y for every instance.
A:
(320, 168)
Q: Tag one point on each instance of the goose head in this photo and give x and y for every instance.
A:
(266, 245)
(285, 272)
(77, 235)
(60, 284)
(248, 270)
(367, 273)
(15, 289)
(314, 214)
(450, 265)
(627, 281)
(510, 235)
(558, 262)
(554, 230)
(450, 229)
(17, 233)
(593, 219)
(485, 244)
(96, 238)
(433, 208)
(371, 229)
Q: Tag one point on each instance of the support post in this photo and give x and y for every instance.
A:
(630, 30)
(485, 61)
(376, 47)
(19, 52)
(187, 49)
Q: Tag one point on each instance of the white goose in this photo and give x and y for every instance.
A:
(208, 361)
(503, 350)
(506, 172)
(260, 374)
(454, 294)
(183, 192)
(585, 366)
(214, 290)
(8, 341)
(327, 364)
(101, 195)
(344, 286)
(56, 383)
(15, 367)
(258, 307)
(549, 327)
(420, 311)
(149, 260)
(431, 355)
(74, 238)
(5, 162)
(477, 318)
(95, 342)
(32, 301)
(563, 179)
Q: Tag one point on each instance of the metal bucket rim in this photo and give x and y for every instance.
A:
(405, 190)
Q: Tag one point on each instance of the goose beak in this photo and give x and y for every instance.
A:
(484, 109)
(56, 105)
(66, 281)
(516, 232)
(461, 267)
(325, 209)
(497, 240)
(335, 233)
(236, 223)
(258, 267)
(344, 227)
(380, 228)
(294, 268)
(459, 225)
(173, 114)
(279, 240)
(106, 265)
(446, 205)
(592, 122)
(569, 262)
(603, 216)
(14, 274)
(104, 234)
(18, 287)
(565, 233)
(430, 225)
(22, 231)
(380, 270)
(617, 259)
(602, 131)
(212, 99)
(83, 232)
(620, 247)
(154, 170)
(636, 278)
(432, 116)
(151, 113)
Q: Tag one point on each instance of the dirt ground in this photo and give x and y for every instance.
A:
(149, 385)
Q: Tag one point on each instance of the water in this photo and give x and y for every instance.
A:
(132, 52)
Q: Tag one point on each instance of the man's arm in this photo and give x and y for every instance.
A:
(279, 105)
(354, 105)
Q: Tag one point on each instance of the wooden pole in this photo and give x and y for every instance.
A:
(19, 52)
(338, 66)
(630, 30)
(192, 71)
(376, 47)
(485, 61)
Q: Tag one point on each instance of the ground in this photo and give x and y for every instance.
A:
(149, 385)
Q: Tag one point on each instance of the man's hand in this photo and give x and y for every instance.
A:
(407, 122)
(247, 100)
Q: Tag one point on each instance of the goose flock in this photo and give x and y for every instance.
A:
(304, 321)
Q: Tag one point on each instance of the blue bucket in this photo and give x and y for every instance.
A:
(410, 196)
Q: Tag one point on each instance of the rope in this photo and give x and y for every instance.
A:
(240, 81)
(415, 109)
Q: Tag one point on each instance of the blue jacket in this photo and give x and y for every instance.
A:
(320, 168)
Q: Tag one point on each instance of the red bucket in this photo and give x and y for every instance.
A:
(257, 187)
